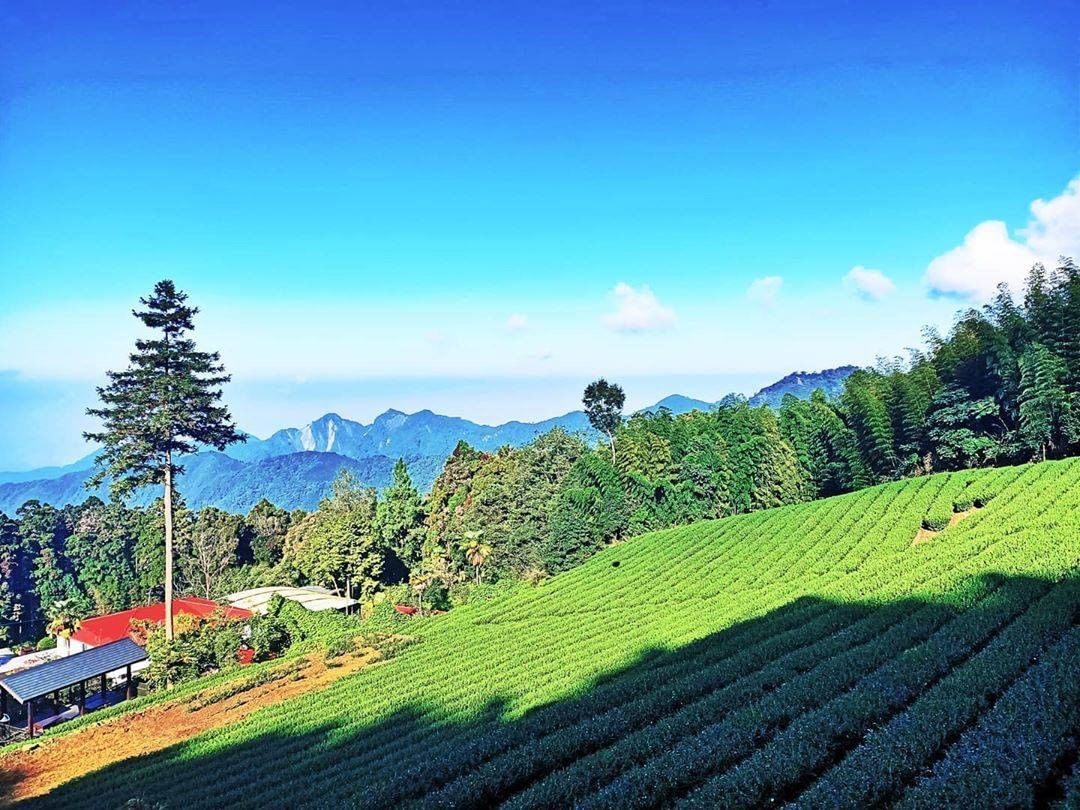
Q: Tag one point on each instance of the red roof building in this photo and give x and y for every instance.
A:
(115, 626)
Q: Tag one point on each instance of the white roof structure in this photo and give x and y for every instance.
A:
(312, 598)
(21, 662)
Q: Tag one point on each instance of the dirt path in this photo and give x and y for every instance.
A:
(53, 762)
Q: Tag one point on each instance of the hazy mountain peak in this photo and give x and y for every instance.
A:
(677, 403)
(802, 384)
(799, 383)
(390, 419)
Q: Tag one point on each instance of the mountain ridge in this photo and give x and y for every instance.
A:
(798, 383)
(395, 433)
(293, 467)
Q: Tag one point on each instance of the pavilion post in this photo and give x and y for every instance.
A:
(82, 698)
(103, 687)
(128, 695)
(3, 702)
(30, 717)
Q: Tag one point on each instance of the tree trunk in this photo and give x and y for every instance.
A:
(168, 547)
(611, 441)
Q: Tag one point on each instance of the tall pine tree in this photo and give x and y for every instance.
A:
(166, 403)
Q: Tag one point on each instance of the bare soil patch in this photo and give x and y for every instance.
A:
(926, 535)
(958, 516)
(33, 772)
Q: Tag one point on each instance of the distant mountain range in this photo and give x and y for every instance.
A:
(399, 435)
(799, 383)
(293, 468)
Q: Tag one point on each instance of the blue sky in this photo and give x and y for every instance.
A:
(478, 207)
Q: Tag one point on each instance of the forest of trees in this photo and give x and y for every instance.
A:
(1002, 387)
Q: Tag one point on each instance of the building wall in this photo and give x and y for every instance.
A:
(70, 646)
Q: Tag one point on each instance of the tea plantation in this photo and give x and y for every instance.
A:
(812, 655)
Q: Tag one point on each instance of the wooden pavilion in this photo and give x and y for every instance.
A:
(76, 670)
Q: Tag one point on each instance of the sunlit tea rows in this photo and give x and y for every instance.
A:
(813, 655)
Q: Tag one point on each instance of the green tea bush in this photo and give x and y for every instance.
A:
(807, 656)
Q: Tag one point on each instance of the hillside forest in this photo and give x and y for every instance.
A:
(1001, 387)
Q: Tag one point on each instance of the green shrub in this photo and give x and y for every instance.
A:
(225, 640)
(385, 619)
(47, 643)
(323, 629)
(938, 521)
(269, 636)
(199, 646)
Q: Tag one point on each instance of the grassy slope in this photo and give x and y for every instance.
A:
(805, 654)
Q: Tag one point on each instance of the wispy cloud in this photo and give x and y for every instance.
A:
(763, 291)
(638, 310)
(517, 322)
(989, 256)
(869, 284)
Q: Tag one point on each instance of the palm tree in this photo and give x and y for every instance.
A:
(64, 616)
(475, 552)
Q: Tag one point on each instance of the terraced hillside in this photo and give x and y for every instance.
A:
(813, 655)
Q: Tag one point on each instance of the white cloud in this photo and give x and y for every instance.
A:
(871, 285)
(989, 256)
(763, 291)
(638, 310)
(1054, 227)
(517, 322)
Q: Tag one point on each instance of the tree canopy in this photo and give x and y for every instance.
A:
(166, 403)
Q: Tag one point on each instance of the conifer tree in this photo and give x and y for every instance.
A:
(400, 517)
(165, 404)
(589, 511)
